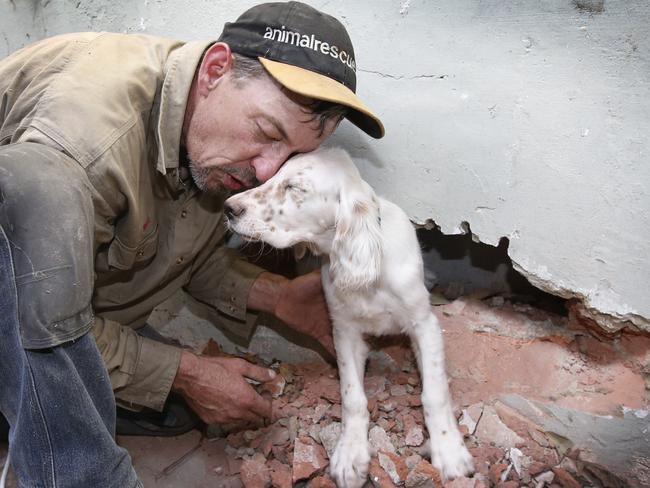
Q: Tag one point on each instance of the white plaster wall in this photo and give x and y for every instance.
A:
(527, 119)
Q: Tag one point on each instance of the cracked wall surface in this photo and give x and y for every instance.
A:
(525, 119)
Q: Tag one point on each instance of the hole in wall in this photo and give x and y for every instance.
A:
(454, 265)
(460, 265)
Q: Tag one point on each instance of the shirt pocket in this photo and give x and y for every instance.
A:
(123, 256)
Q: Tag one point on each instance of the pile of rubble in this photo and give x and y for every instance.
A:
(536, 396)
(294, 450)
(304, 435)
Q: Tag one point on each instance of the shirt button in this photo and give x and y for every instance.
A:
(183, 214)
(179, 260)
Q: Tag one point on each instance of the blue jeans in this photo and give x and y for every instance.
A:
(57, 398)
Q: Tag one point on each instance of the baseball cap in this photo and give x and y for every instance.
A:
(306, 51)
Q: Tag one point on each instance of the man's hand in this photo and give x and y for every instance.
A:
(303, 307)
(299, 303)
(217, 390)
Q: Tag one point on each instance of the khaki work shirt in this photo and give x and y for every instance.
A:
(115, 103)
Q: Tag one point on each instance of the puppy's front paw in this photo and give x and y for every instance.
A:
(450, 456)
(349, 464)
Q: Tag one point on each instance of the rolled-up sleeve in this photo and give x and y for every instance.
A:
(141, 370)
(223, 281)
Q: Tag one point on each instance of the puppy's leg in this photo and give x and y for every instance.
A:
(349, 466)
(448, 452)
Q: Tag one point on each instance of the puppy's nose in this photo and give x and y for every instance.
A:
(232, 210)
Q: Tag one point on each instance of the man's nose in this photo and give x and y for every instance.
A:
(265, 167)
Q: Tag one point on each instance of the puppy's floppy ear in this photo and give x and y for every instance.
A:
(355, 259)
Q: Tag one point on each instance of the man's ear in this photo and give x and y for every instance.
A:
(217, 61)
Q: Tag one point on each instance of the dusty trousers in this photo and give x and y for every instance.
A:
(54, 388)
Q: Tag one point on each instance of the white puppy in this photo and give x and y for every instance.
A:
(373, 283)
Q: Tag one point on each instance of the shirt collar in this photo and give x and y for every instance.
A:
(179, 73)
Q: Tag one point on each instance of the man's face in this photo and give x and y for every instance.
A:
(242, 131)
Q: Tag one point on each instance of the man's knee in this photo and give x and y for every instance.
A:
(47, 213)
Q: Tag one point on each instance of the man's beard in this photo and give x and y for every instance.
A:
(201, 178)
(204, 180)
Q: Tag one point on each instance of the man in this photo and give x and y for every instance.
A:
(116, 153)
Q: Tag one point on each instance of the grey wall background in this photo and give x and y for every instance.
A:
(526, 119)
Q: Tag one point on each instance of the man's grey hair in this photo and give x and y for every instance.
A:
(320, 111)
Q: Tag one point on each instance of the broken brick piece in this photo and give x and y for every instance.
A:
(309, 459)
(495, 472)
(380, 440)
(521, 425)
(408, 421)
(274, 387)
(280, 474)
(485, 456)
(386, 424)
(537, 467)
(394, 466)
(462, 482)
(321, 482)
(423, 475)
(372, 404)
(287, 371)
(278, 435)
(491, 429)
(255, 474)
(402, 378)
(414, 400)
(374, 385)
(280, 454)
(212, 348)
(236, 439)
(415, 436)
(378, 477)
(335, 412)
(508, 484)
(328, 388)
(329, 436)
(565, 479)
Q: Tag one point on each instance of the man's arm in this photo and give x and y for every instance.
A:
(216, 388)
(299, 303)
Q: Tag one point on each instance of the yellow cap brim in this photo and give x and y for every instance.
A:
(314, 85)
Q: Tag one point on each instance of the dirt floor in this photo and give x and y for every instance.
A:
(541, 400)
